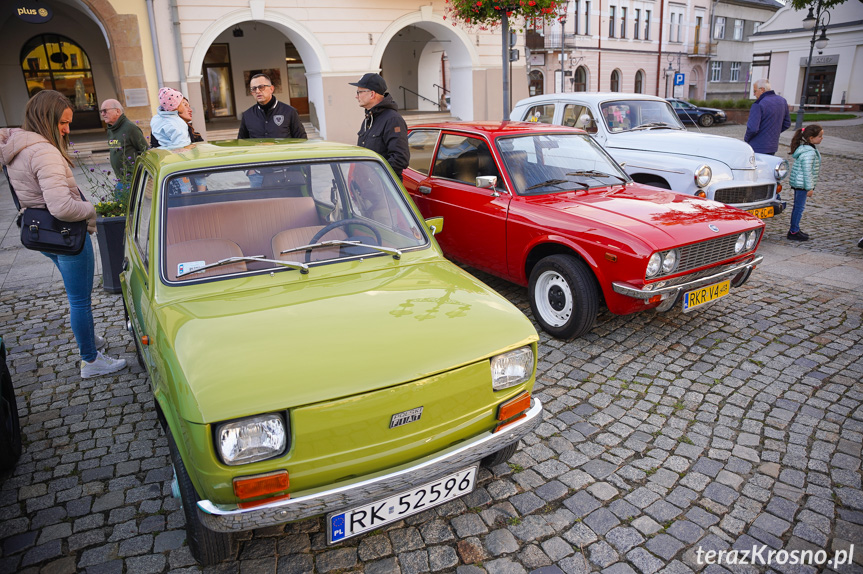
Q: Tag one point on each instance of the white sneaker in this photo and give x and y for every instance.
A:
(100, 342)
(103, 365)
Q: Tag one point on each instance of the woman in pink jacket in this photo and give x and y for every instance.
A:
(40, 172)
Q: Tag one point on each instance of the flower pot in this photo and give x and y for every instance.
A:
(109, 232)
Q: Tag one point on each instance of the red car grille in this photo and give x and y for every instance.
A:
(707, 253)
(749, 194)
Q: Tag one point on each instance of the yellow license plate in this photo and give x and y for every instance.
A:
(762, 213)
(699, 297)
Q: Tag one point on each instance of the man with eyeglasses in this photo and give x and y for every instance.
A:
(768, 117)
(269, 118)
(126, 141)
(383, 129)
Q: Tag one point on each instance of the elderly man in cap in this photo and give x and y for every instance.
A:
(383, 130)
(125, 141)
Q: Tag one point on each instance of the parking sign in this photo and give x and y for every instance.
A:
(678, 79)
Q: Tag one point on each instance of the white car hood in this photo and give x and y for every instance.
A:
(734, 153)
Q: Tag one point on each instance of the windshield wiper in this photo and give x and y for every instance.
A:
(652, 125)
(595, 174)
(394, 252)
(292, 264)
(555, 182)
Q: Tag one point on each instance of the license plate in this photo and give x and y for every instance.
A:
(342, 525)
(699, 297)
(762, 213)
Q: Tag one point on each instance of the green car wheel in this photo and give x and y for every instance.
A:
(500, 456)
(208, 547)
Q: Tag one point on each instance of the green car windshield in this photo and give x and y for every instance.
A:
(225, 221)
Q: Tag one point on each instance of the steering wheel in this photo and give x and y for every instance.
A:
(341, 223)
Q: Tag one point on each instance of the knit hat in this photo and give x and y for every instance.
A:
(169, 99)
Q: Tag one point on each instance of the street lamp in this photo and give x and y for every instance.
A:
(821, 17)
(671, 70)
(561, 17)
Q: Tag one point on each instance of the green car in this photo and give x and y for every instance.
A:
(310, 350)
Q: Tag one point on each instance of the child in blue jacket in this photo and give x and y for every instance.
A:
(167, 125)
(804, 173)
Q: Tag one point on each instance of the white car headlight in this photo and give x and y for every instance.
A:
(750, 239)
(703, 175)
(669, 262)
(252, 439)
(654, 264)
(741, 242)
(781, 170)
(512, 368)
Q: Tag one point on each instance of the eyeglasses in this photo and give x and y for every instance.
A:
(362, 92)
(260, 88)
(106, 110)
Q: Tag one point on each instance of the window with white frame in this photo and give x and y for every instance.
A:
(611, 22)
(575, 16)
(587, 18)
(755, 26)
(735, 71)
(738, 29)
(675, 28)
(719, 28)
(647, 24)
(636, 28)
(715, 71)
(671, 25)
(623, 21)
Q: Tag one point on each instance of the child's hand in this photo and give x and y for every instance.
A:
(810, 192)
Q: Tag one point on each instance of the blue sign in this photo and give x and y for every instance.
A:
(338, 526)
(678, 79)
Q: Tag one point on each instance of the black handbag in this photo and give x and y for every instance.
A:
(41, 231)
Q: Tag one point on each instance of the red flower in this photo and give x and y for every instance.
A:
(531, 3)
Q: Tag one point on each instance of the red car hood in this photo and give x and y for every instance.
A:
(659, 217)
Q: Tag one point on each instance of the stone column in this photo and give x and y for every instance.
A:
(194, 94)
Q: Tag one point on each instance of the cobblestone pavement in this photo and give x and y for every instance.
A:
(666, 436)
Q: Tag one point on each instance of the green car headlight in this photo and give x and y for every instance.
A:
(512, 368)
(252, 439)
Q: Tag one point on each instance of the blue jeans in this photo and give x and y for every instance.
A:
(797, 212)
(77, 272)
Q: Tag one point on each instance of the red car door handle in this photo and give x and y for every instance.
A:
(424, 189)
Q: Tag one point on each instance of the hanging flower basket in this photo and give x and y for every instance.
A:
(486, 14)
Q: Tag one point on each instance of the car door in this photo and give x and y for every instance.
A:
(139, 273)
(474, 218)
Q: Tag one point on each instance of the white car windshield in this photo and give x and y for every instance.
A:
(233, 220)
(630, 115)
(548, 163)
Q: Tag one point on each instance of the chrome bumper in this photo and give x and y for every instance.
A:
(230, 518)
(671, 292)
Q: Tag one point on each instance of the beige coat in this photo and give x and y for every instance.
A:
(42, 178)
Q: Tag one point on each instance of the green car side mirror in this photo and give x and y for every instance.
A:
(435, 224)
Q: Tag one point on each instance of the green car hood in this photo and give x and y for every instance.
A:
(262, 350)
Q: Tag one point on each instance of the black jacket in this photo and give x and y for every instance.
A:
(276, 121)
(384, 131)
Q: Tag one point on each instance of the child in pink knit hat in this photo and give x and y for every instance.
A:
(167, 125)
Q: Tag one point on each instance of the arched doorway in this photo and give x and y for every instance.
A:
(580, 79)
(694, 82)
(535, 85)
(639, 82)
(615, 81)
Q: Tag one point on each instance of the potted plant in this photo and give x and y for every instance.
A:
(112, 195)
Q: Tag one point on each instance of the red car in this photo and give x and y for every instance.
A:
(546, 207)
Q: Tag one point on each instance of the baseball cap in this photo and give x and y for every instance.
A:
(372, 82)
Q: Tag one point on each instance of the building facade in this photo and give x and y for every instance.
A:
(126, 49)
(729, 71)
(836, 73)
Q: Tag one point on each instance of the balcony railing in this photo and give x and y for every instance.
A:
(551, 41)
(703, 49)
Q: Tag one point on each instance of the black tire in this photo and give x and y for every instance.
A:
(563, 296)
(208, 547)
(500, 456)
(138, 354)
(705, 121)
(10, 426)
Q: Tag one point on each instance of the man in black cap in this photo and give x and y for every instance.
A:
(269, 118)
(383, 130)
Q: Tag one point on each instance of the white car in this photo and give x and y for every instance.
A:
(644, 134)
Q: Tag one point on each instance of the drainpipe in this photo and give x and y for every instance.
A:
(659, 52)
(155, 39)
(178, 44)
(599, 52)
